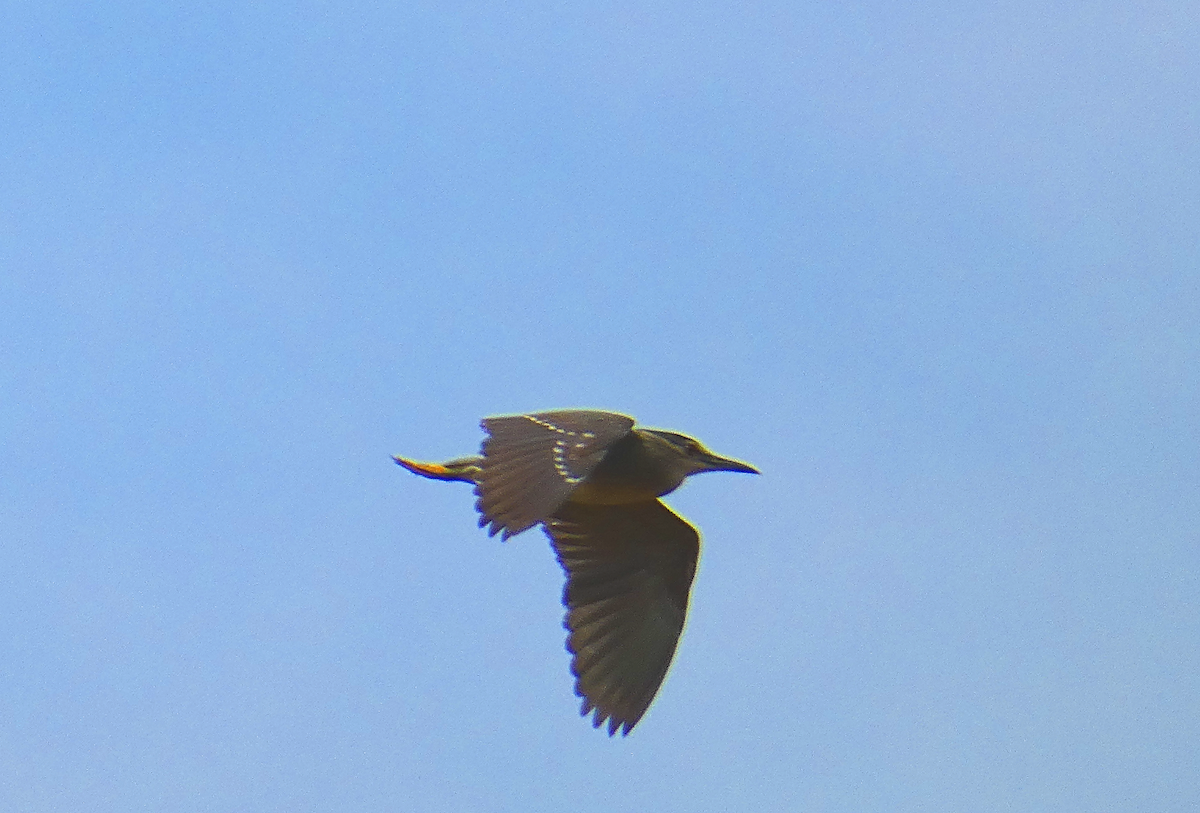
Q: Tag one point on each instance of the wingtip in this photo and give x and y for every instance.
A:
(603, 720)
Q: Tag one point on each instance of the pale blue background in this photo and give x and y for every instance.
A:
(933, 267)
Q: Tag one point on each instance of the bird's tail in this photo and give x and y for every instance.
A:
(465, 469)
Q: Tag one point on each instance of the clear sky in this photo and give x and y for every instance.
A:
(932, 267)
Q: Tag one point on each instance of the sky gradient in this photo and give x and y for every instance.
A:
(932, 268)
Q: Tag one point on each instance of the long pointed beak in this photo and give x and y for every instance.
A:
(714, 462)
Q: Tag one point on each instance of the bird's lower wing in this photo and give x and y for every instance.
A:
(629, 571)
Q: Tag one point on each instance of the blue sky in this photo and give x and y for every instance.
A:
(931, 267)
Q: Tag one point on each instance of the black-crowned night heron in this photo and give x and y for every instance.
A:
(592, 480)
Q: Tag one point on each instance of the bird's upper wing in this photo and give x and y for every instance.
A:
(629, 571)
(531, 463)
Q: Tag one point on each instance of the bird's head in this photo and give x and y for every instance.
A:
(690, 455)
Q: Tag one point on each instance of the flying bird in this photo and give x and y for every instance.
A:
(592, 480)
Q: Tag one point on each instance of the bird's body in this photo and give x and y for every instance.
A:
(592, 480)
(631, 471)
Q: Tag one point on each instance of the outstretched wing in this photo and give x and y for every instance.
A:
(532, 463)
(629, 571)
